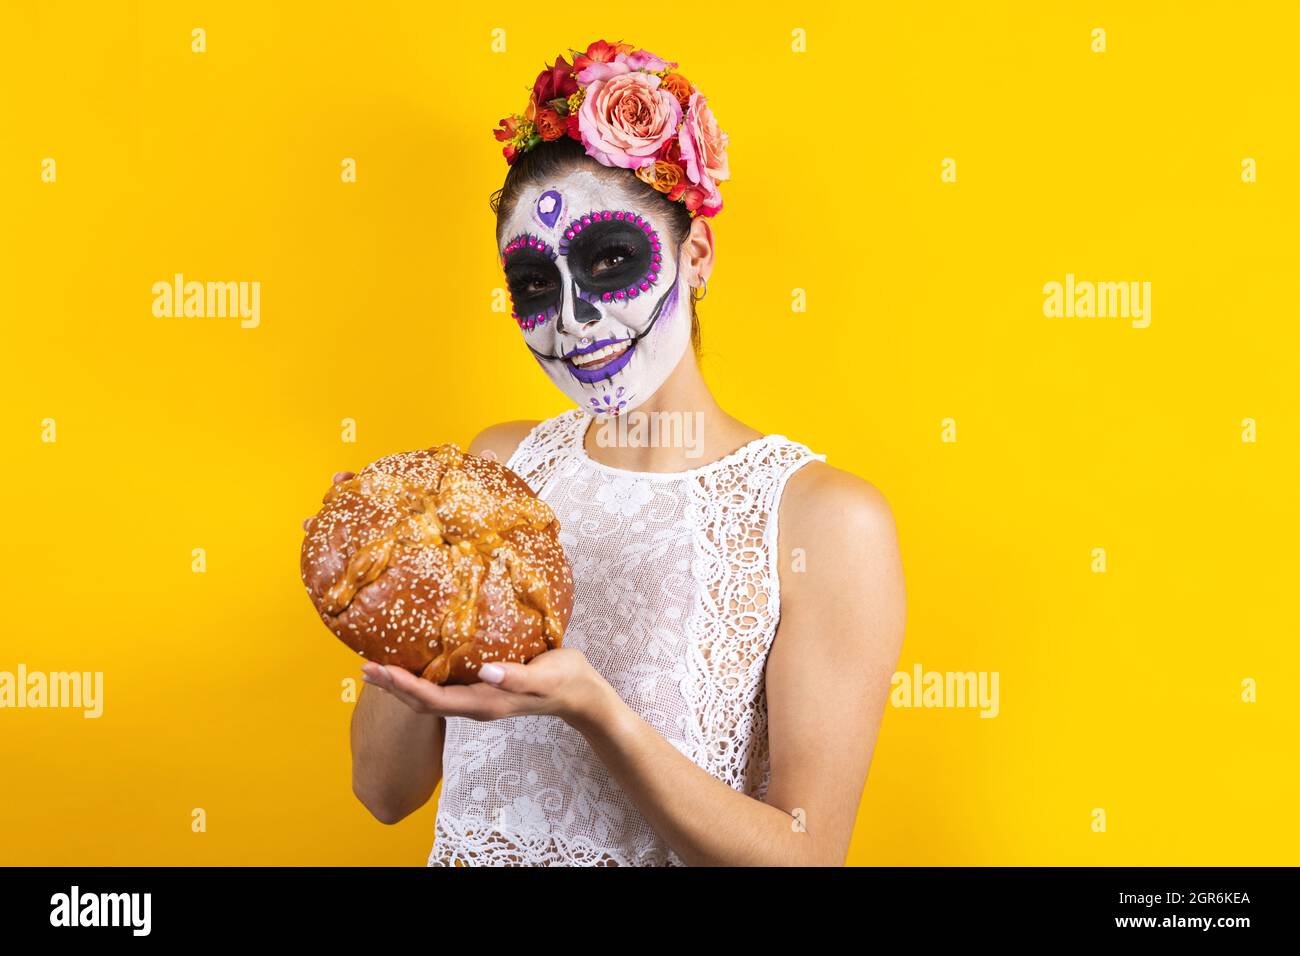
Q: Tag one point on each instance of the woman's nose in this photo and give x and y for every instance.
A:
(584, 313)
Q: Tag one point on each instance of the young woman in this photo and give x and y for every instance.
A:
(739, 604)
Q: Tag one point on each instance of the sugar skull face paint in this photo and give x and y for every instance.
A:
(595, 288)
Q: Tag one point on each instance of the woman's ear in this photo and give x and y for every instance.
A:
(697, 253)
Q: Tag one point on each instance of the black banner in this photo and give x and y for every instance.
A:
(673, 907)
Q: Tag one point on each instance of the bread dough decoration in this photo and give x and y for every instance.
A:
(438, 561)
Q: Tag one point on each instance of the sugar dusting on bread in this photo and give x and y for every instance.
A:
(438, 561)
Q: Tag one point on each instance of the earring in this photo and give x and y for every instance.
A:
(703, 286)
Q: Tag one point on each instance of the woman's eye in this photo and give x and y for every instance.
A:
(535, 285)
(611, 259)
(608, 255)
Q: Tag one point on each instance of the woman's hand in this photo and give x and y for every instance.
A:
(560, 682)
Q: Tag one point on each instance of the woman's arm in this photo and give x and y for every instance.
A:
(396, 755)
(397, 750)
(828, 676)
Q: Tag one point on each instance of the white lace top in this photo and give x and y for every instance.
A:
(676, 603)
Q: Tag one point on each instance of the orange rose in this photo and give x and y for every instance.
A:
(550, 124)
(663, 176)
(679, 86)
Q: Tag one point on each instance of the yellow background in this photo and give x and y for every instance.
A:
(1119, 691)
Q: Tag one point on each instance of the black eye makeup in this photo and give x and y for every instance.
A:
(614, 255)
(532, 279)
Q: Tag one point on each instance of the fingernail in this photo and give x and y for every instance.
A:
(492, 673)
(343, 475)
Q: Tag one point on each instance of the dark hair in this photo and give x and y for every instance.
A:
(549, 160)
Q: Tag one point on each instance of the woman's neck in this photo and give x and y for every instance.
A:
(681, 426)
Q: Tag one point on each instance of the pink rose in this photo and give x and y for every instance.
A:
(622, 63)
(703, 145)
(625, 117)
(595, 72)
(645, 60)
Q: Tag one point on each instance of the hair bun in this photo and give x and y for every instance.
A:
(438, 561)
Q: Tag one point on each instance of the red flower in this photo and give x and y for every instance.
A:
(505, 132)
(600, 52)
(554, 82)
(506, 129)
(701, 202)
(670, 152)
(571, 127)
(550, 124)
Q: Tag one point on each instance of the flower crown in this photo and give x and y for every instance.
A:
(629, 109)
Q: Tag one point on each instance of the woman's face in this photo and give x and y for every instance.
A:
(595, 288)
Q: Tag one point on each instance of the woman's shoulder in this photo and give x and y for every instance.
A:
(502, 438)
(505, 438)
(843, 528)
(839, 510)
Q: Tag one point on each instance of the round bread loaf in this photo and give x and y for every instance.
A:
(438, 561)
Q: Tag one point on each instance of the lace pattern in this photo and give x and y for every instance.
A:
(677, 600)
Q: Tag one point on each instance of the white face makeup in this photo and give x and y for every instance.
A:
(595, 287)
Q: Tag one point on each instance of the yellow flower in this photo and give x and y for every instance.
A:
(523, 132)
